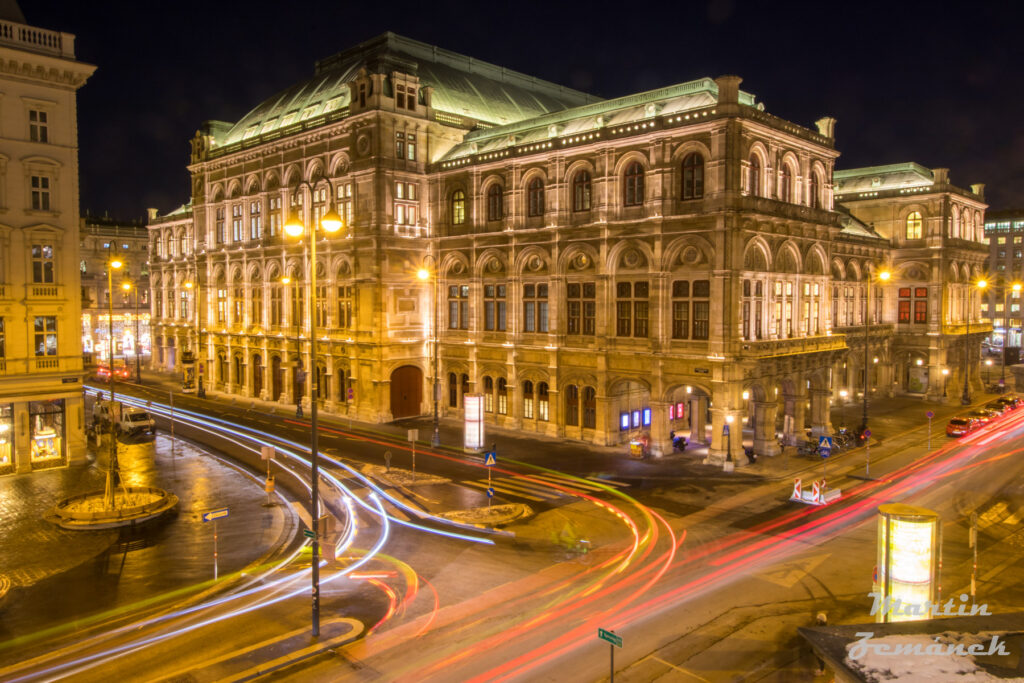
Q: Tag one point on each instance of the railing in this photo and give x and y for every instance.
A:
(37, 39)
(44, 364)
(44, 291)
(788, 347)
(976, 327)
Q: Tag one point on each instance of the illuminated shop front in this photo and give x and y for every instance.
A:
(96, 335)
(46, 433)
(7, 465)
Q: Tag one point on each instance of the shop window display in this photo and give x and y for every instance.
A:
(6, 438)
(46, 425)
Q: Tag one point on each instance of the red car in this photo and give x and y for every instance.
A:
(962, 425)
(120, 372)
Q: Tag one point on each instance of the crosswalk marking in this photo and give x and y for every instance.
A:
(540, 487)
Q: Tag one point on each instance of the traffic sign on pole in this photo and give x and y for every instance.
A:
(309, 533)
(609, 637)
(490, 459)
(215, 514)
(490, 492)
(825, 446)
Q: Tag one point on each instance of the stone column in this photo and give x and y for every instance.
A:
(765, 441)
(661, 444)
(727, 444)
(821, 424)
(698, 409)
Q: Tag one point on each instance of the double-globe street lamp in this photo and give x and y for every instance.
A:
(965, 399)
(425, 274)
(108, 493)
(883, 277)
(330, 223)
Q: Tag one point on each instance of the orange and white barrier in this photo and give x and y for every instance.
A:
(819, 494)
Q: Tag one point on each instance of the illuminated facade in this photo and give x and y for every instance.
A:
(100, 240)
(1004, 231)
(604, 267)
(41, 406)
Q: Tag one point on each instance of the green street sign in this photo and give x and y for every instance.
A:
(610, 637)
(308, 533)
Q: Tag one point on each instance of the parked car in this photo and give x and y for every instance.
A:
(961, 425)
(984, 415)
(134, 420)
(997, 406)
(1011, 402)
(120, 372)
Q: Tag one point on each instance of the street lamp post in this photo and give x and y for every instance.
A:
(200, 389)
(945, 381)
(1006, 337)
(884, 276)
(128, 286)
(330, 223)
(108, 494)
(988, 370)
(965, 399)
(424, 274)
(843, 393)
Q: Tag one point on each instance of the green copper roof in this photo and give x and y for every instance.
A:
(462, 85)
(881, 178)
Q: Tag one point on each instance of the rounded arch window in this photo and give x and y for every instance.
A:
(458, 207)
(495, 203)
(535, 197)
(693, 176)
(786, 184)
(813, 188)
(754, 180)
(633, 190)
(915, 226)
(581, 191)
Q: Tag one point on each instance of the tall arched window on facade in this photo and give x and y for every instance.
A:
(502, 396)
(488, 394)
(954, 229)
(581, 191)
(813, 187)
(458, 207)
(693, 176)
(528, 400)
(495, 203)
(542, 401)
(786, 184)
(633, 194)
(535, 198)
(465, 389)
(914, 226)
(453, 390)
(754, 180)
(572, 405)
(589, 408)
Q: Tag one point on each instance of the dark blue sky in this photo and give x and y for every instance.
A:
(933, 82)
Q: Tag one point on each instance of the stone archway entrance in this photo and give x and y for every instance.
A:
(275, 378)
(406, 391)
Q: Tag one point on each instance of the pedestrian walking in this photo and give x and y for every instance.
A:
(298, 410)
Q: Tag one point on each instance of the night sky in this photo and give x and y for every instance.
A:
(933, 83)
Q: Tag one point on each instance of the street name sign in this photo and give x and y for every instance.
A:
(215, 514)
(308, 533)
(609, 637)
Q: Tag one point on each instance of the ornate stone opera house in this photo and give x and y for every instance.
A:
(597, 268)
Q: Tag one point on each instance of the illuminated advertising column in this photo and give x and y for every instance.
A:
(907, 561)
(474, 405)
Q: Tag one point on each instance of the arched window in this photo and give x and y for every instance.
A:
(954, 229)
(693, 176)
(465, 389)
(453, 390)
(581, 191)
(572, 405)
(914, 226)
(222, 368)
(968, 229)
(589, 408)
(458, 207)
(528, 400)
(813, 187)
(535, 198)
(542, 401)
(786, 184)
(495, 205)
(502, 396)
(488, 394)
(633, 194)
(754, 181)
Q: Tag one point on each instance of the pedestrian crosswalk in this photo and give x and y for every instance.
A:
(545, 487)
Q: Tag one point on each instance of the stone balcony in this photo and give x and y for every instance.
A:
(767, 348)
(37, 40)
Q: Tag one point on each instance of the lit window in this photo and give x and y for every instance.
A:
(458, 207)
(915, 226)
(42, 263)
(458, 307)
(581, 191)
(631, 308)
(634, 185)
(45, 327)
(255, 220)
(693, 176)
(274, 215)
(494, 308)
(754, 179)
(687, 300)
(535, 307)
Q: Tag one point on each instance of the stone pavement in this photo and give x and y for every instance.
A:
(59, 575)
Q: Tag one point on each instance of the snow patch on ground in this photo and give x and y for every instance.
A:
(926, 658)
(495, 515)
(401, 477)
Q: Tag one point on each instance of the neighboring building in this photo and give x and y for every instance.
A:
(101, 240)
(41, 404)
(1004, 231)
(604, 267)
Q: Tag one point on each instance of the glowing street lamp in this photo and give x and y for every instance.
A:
(424, 274)
(945, 381)
(980, 285)
(330, 223)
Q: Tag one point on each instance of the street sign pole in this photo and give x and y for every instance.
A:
(490, 459)
(214, 550)
(213, 516)
(413, 435)
(930, 415)
(613, 641)
(867, 452)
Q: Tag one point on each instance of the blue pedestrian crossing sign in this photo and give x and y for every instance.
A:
(490, 492)
(825, 446)
(490, 459)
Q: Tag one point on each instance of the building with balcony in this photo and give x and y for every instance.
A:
(101, 239)
(41, 405)
(669, 260)
(1004, 231)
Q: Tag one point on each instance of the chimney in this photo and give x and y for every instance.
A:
(728, 89)
(826, 126)
(979, 189)
(940, 176)
(152, 214)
